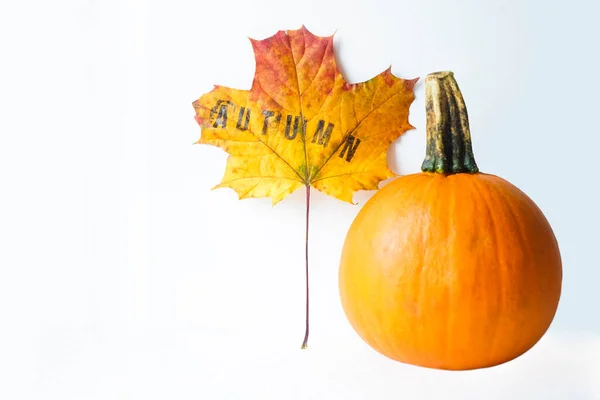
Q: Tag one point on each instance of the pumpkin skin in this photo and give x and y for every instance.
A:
(450, 271)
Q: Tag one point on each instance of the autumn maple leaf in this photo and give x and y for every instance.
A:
(301, 124)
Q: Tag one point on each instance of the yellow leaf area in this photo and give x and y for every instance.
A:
(301, 123)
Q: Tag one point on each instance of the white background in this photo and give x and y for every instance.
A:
(123, 276)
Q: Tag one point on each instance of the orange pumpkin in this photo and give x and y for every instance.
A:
(450, 268)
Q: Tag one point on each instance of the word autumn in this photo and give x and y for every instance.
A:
(219, 116)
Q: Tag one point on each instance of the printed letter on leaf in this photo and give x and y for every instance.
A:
(302, 124)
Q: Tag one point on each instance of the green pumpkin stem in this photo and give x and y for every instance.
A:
(449, 149)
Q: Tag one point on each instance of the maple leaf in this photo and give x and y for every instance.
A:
(301, 123)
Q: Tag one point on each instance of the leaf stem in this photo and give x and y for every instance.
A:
(305, 342)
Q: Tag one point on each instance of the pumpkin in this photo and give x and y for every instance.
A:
(450, 268)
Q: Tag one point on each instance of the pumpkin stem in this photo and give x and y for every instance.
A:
(449, 149)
